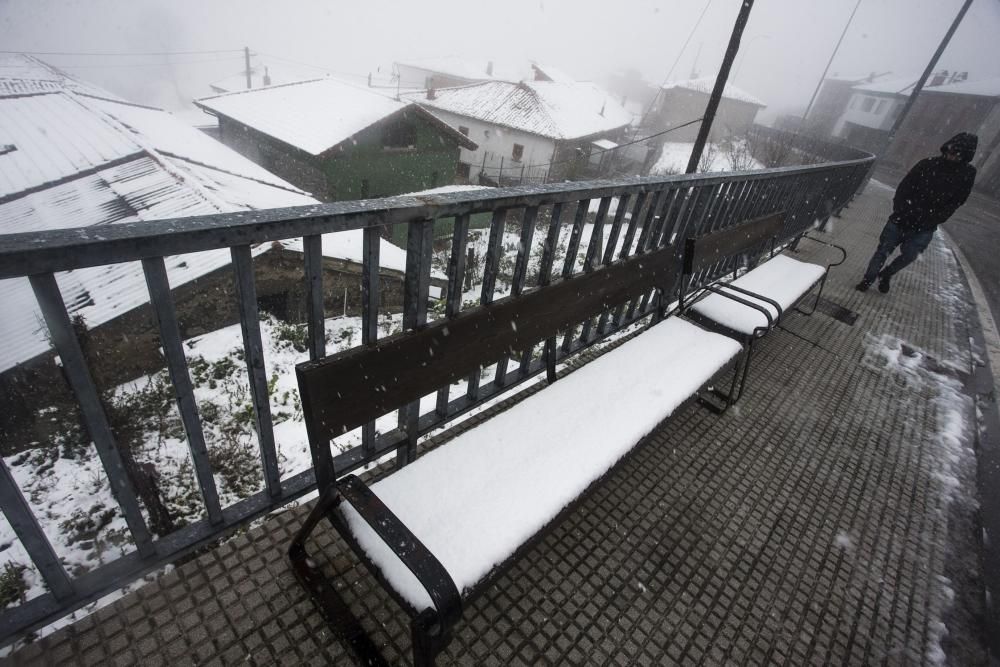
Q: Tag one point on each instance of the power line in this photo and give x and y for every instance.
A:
(164, 64)
(319, 67)
(122, 53)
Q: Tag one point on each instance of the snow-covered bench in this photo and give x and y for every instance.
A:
(439, 530)
(753, 304)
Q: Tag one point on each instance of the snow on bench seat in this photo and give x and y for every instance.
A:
(781, 278)
(476, 499)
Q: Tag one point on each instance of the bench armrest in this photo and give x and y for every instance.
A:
(418, 559)
(843, 251)
(716, 289)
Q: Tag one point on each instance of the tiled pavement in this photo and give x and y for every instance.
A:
(812, 525)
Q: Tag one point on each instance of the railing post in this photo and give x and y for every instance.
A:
(253, 349)
(416, 290)
(75, 366)
(23, 521)
(170, 339)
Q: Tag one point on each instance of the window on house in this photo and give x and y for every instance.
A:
(518, 152)
(399, 135)
(880, 106)
(463, 129)
(867, 104)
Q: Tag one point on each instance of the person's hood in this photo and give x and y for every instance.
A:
(963, 143)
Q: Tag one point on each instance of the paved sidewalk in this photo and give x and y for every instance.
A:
(826, 520)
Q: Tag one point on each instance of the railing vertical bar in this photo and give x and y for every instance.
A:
(594, 255)
(53, 309)
(246, 295)
(573, 247)
(668, 221)
(616, 228)
(633, 225)
(416, 289)
(654, 207)
(453, 300)
(643, 204)
(547, 263)
(520, 275)
(170, 340)
(597, 236)
(490, 268)
(312, 247)
(491, 265)
(23, 521)
(580, 219)
(653, 240)
(549, 246)
(371, 244)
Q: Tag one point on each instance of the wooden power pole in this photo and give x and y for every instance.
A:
(720, 85)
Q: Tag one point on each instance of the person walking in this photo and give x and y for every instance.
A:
(926, 197)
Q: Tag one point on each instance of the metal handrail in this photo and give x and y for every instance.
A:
(654, 212)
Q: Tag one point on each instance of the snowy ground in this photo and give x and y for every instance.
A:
(734, 156)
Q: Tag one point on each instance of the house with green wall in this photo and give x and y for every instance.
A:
(339, 141)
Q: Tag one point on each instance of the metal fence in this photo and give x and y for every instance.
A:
(629, 216)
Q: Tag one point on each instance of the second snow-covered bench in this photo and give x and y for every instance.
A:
(753, 304)
(439, 530)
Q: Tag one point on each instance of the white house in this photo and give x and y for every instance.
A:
(531, 131)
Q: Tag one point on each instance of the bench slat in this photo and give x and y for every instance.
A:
(345, 390)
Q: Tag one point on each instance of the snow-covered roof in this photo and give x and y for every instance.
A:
(313, 116)
(83, 161)
(982, 88)
(475, 69)
(547, 108)
(896, 86)
(277, 75)
(55, 136)
(21, 74)
(706, 84)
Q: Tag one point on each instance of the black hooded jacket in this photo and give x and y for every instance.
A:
(936, 186)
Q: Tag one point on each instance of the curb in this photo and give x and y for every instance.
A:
(983, 389)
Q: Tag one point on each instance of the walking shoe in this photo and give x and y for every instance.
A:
(883, 283)
(863, 285)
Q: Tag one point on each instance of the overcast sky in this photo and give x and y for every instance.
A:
(785, 47)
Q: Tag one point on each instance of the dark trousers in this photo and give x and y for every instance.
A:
(911, 244)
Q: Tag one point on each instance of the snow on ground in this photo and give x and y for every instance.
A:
(952, 459)
(716, 157)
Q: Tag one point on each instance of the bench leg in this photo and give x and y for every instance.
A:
(338, 616)
(429, 637)
(819, 293)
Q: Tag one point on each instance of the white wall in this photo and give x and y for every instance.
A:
(496, 142)
(880, 117)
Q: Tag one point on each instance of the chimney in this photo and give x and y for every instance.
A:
(938, 78)
(602, 108)
(267, 77)
(489, 68)
(431, 94)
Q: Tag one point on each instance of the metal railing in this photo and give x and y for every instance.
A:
(632, 216)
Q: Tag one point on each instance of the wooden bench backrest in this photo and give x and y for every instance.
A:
(348, 389)
(709, 249)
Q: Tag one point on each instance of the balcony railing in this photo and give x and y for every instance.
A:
(589, 225)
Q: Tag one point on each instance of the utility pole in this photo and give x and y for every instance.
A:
(923, 79)
(246, 58)
(720, 85)
(833, 55)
